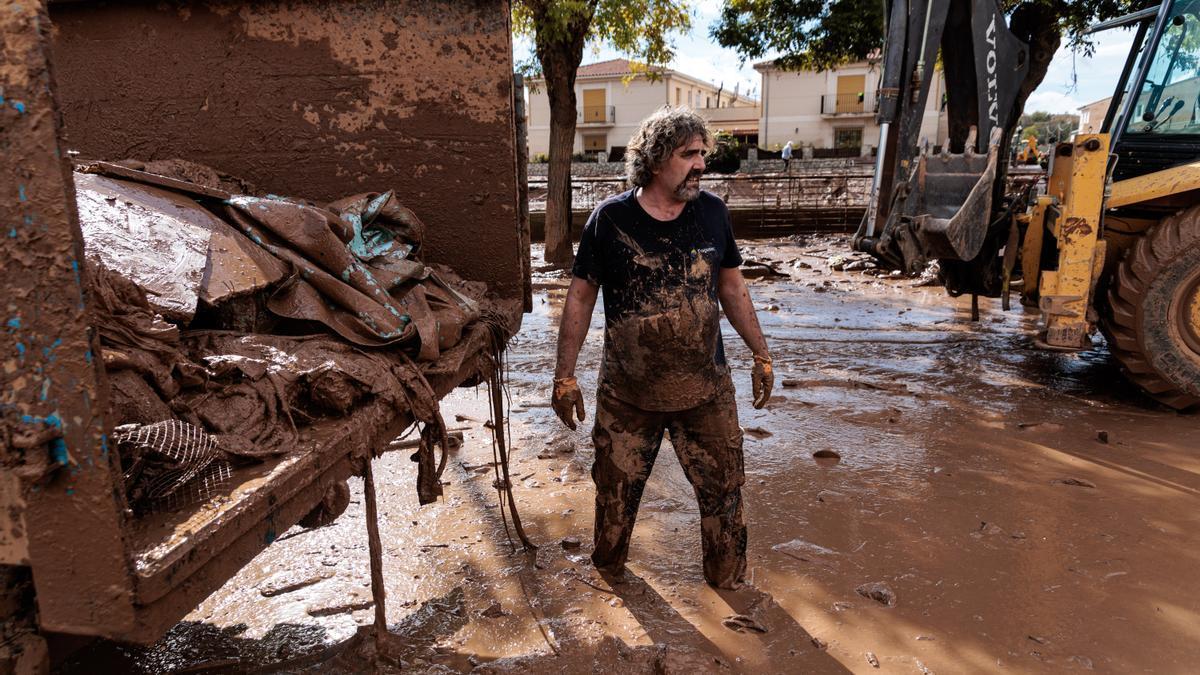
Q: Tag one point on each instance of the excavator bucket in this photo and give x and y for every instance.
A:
(925, 207)
(953, 202)
(943, 210)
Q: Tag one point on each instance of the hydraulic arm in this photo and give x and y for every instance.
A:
(948, 206)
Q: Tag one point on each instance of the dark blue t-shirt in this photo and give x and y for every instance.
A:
(662, 336)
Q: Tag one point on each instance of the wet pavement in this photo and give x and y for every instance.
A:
(923, 494)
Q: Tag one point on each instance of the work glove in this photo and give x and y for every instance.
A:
(567, 399)
(762, 380)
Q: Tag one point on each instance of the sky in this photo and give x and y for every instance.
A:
(1075, 80)
(1072, 81)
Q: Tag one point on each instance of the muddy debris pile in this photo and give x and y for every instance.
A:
(229, 323)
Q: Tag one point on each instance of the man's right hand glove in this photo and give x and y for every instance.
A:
(567, 400)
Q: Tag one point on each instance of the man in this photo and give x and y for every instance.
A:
(664, 254)
(787, 156)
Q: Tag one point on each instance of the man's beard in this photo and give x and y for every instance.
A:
(685, 192)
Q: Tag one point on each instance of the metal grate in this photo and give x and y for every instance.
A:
(171, 464)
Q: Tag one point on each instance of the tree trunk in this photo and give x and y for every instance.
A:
(1038, 26)
(560, 51)
(560, 89)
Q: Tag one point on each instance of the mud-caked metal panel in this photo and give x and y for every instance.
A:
(1066, 292)
(61, 513)
(317, 100)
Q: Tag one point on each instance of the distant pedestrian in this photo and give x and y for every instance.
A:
(787, 156)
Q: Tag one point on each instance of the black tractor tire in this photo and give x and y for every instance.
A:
(1152, 321)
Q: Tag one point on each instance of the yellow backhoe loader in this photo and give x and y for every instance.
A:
(1028, 154)
(1114, 241)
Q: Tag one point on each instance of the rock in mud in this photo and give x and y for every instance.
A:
(1082, 661)
(286, 583)
(987, 529)
(879, 592)
(805, 551)
(827, 457)
(614, 656)
(494, 611)
(741, 623)
(1074, 482)
(830, 497)
(872, 659)
(572, 472)
(571, 543)
(557, 448)
(756, 432)
(345, 608)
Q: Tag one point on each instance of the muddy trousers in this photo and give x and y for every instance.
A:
(708, 442)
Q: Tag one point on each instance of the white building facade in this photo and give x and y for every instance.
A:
(612, 101)
(834, 109)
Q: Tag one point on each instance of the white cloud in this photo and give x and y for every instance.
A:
(1074, 80)
(1052, 102)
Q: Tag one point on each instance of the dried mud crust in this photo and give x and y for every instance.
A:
(1148, 323)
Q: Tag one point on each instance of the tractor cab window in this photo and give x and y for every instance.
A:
(1169, 100)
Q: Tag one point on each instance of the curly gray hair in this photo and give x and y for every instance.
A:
(659, 135)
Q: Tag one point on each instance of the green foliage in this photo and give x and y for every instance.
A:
(723, 157)
(1048, 128)
(1075, 17)
(642, 29)
(539, 158)
(560, 29)
(812, 34)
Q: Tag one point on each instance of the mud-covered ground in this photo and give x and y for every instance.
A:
(1010, 509)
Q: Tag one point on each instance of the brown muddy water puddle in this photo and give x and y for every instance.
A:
(926, 496)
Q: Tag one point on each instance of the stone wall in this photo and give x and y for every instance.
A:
(749, 166)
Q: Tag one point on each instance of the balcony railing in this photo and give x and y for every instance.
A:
(597, 114)
(848, 104)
